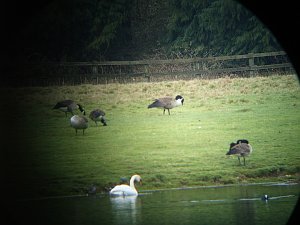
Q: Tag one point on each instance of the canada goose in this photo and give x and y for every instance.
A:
(79, 122)
(98, 115)
(241, 149)
(167, 103)
(68, 106)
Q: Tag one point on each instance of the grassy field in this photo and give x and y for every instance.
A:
(43, 156)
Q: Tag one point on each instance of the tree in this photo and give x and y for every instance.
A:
(216, 27)
(80, 30)
(74, 29)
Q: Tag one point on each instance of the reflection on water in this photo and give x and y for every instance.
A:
(207, 205)
(124, 209)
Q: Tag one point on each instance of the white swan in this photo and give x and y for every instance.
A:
(125, 190)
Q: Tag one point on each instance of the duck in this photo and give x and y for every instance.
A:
(92, 190)
(241, 148)
(98, 115)
(69, 106)
(79, 122)
(126, 190)
(265, 198)
(167, 103)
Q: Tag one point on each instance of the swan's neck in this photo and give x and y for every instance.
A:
(132, 182)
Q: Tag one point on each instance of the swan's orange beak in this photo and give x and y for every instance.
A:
(141, 183)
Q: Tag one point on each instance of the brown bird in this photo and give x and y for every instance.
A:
(167, 103)
(68, 106)
(241, 148)
(98, 115)
(79, 122)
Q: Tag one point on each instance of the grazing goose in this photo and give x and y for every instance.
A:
(124, 189)
(68, 106)
(98, 115)
(79, 122)
(241, 148)
(167, 103)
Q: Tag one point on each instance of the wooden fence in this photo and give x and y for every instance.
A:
(154, 70)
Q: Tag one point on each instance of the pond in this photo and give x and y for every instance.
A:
(237, 204)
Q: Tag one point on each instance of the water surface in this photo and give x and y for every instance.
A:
(206, 205)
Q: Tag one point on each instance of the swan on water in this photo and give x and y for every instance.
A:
(124, 189)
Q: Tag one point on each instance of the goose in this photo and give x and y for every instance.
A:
(167, 103)
(98, 115)
(124, 189)
(79, 122)
(68, 106)
(241, 148)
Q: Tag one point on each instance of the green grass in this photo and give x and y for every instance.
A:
(44, 157)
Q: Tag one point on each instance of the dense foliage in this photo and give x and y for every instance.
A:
(216, 27)
(79, 30)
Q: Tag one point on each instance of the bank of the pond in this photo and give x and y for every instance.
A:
(149, 191)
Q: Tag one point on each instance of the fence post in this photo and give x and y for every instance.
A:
(251, 63)
(95, 69)
(147, 75)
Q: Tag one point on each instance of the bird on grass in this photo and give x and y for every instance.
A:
(69, 106)
(98, 115)
(79, 122)
(241, 148)
(167, 103)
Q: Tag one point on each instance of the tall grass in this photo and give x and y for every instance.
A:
(44, 157)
